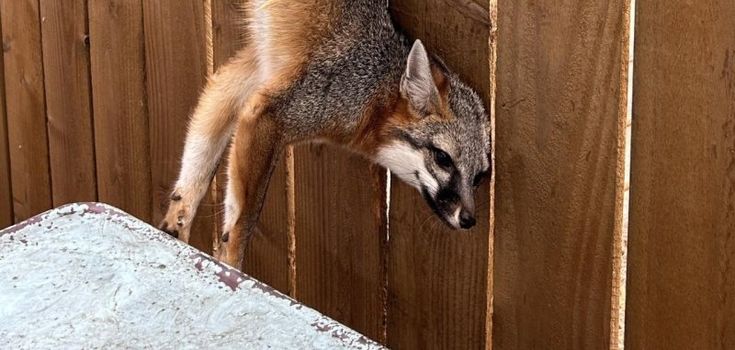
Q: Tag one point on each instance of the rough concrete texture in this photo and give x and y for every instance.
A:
(90, 276)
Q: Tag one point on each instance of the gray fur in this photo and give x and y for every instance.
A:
(365, 59)
(465, 138)
(417, 83)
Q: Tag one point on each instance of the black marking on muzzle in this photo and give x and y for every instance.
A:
(434, 207)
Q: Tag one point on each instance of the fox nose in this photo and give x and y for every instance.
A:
(466, 220)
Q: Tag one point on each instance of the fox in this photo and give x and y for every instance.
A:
(335, 71)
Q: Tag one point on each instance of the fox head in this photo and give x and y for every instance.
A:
(439, 141)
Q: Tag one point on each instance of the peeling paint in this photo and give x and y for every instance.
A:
(91, 276)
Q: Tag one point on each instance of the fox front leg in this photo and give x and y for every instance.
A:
(253, 157)
(210, 130)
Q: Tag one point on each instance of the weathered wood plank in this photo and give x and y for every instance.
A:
(25, 107)
(6, 196)
(176, 71)
(558, 113)
(119, 100)
(68, 100)
(228, 29)
(622, 186)
(682, 215)
(340, 233)
(493, 81)
(267, 253)
(438, 280)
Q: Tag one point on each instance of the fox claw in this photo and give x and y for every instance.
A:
(165, 228)
(178, 219)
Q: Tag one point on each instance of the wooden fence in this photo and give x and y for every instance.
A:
(597, 140)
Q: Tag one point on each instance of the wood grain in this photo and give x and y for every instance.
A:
(267, 252)
(340, 234)
(176, 71)
(68, 100)
(228, 29)
(557, 126)
(438, 280)
(622, 187)
(682, 215)
(25, 107)
(493, 81)
(119, 100)
(6, 196)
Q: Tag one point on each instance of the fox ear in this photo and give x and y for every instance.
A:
(417, 83)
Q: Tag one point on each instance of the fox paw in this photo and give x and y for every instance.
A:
(178, 219)
(231, 254)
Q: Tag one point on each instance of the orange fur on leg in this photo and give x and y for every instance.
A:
(210, 129)
(253, 157)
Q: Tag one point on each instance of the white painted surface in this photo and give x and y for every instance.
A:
(89, 276)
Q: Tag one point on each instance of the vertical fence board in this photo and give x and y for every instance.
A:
(340, 231)
(228, 30)
(119, 100)
(176, 70)
(25, 108)
(6, 196)
(266, 254)
(68, 100)
(559, 89)
(437, 278)
(682, 215)
(493, 68)
(622, 186)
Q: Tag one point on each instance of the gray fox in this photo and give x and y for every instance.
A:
(336, 71)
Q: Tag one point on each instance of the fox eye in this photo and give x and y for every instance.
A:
(478, 178)
(442, 158)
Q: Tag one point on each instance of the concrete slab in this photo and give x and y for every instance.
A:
(90, 276)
